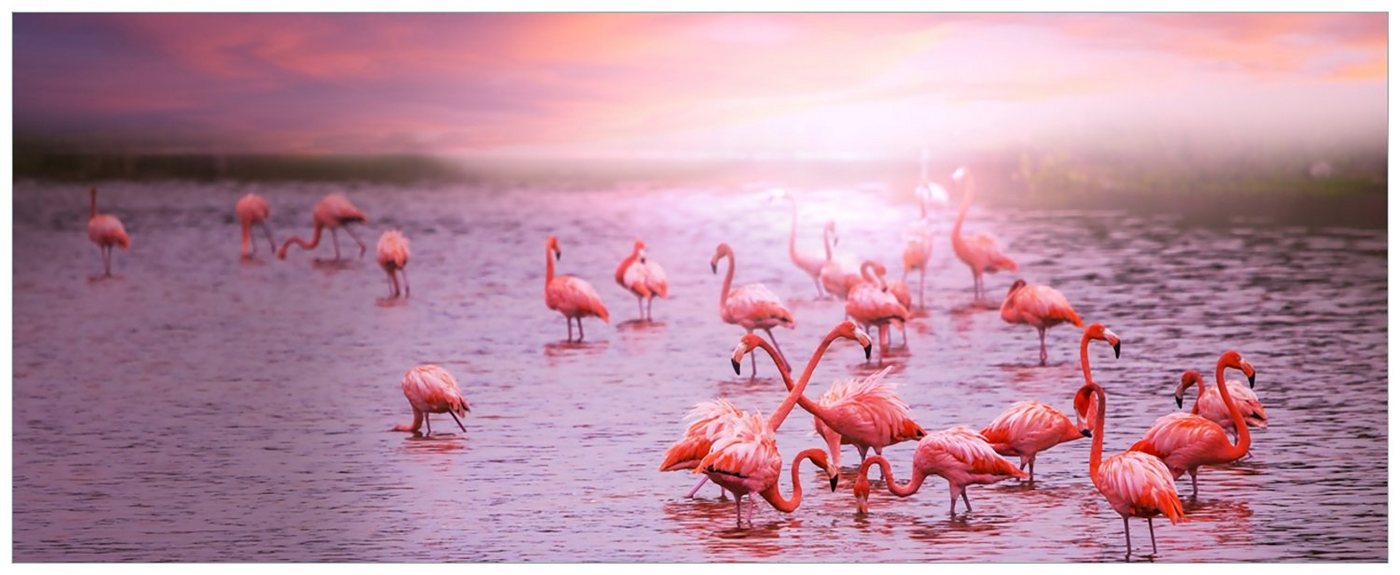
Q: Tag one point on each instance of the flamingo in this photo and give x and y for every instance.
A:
(918, 238)
(1134, 483)
(978, 251)
(714, 419)
(252, 209)
(333, 212)
(431, 389)
(807, 262)
(900, 290)
(834, 277)
(864, 412)
(568, 295)
(643, 277)
(393, 257)
(1210, 406)
(957, 454)
(1185, 442)
(750, 306)
(871, 303)
(106, 231)
(1041, 307)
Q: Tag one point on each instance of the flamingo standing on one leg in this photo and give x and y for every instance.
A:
(643, 277)
(393, 257)
(431, 389)
(1135, 484)
(750, 306)
(333, 212)
(870, 303)
(957, 454)
(1041, 307)
(106, 231)
(1210, 406)
(1185, 442)
(252, 209)
(978, 251)
(809, 263)
(568, 295)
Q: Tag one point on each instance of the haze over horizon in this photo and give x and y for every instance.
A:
(845, 86)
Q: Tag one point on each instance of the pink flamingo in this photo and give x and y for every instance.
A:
(1135, 484)
(568, 295)
(393, 257)
(643, 277)
(1041, 307)
(958, 455)
(900, 290)
(811, 264)
(252, 209)
(106, 231)
(871, 303)
(833, 275)
(918, 238)
(750, 306)
(978, 251)
(431, 389)
(1210, 406)
(1185, 442)
(333, 212)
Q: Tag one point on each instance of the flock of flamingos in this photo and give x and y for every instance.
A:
(738, 450)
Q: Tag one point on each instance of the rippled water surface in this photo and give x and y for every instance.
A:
(199, 408)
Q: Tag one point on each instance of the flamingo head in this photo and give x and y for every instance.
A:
(1189, 378)
(932, 193)
(721, 250)
(819, 457)
(830, 228)
(1098, 331)
(848, 330)
(960, 174)
(862, 493)
(1018, 284)
(1233, 359)
(746, 345)
(552, 245)
(639, 245)
(1083, 410)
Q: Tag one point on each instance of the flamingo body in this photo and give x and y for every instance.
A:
(979, 251)
(333, 212)
(251, 210)
(864, 412)
(1210, 405)
(106, 231)
(572, 297)
(643, 277)
(1030, 427)
(1041, 307)
(392, 254)
(431, 389)
(957, 454)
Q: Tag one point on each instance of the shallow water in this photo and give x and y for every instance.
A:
(199, 408)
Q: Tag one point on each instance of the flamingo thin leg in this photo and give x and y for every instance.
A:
(271, 245)
(357, 240)
(965, 501)
(698, 485)
(335, 242)
(1042, 347)
(1126, 536)
(1153, 534)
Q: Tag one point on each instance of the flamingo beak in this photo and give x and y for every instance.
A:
(558, 253)
(1178, 403)
(1251, 380)
(834, 479)
(1086, 432)
(867, 352)
(735, 363)
(714, 269)
(1116, 354)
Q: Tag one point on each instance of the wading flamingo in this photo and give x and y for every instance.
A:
(1210, 406)
(568, 295)
(431, 389)
(1134, 483)
(864, 412)
(978, 251)
(643, 277)
(1185, 442)
(252, 209)
(333, 212)
(1041, 307)
(106, 231)
(834, 277)
(918, 238)
(871, 303)
(393, 257)
(714, 419)
(809, 263)
(750, 306)
(957, 454)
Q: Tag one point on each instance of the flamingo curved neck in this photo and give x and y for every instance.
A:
(315, 240)
(1241, 430)
(622, 267)
(728, 279)
(792, 236)
(814, 408)
(826, 242)
(910, 487)
(792, 399)
(548, 267)
(1096, 448)
(775, 498)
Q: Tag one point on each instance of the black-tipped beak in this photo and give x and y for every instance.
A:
(1116, 350)
(734, 363)
(643, 260)
(833, 482)
(1086, 432)
(1251, 381)
(714, 269)
(1178, 403)
(558, 254)
(468, 408)
(867, 352)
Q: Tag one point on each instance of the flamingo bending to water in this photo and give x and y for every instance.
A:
(333, 212)
(871, 303)
(709, 420)
(106, 231)
(978, 251)
(568, 295)
(750, 306)
(393, 257)
(1041, 307)
(809, 263)
(957, 454)
(252, 209)
(643, 277)
(1210, 406)
(1185, 442)
(431, 389)
(1135, 484)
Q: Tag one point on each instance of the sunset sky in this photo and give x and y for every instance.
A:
(822, 85)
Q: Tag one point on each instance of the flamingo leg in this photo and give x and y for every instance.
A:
(965, 501)
(698, 485)
(640, 313)
(751, 508)
(1042, 346)
(862, 449)
(1193, 483)
(404, 271)
(739, 510)
(1032, 477)
(580, 328)
(1127, 537)
(820, 293)
(107, 260)
(335, 242)
(459, 422)
(393, 284)
(778, 347)
(357, 240)
(1153, 534)
(921, 288)
(271, 245)
(428, 420)
(649, 300)
(952, 500)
